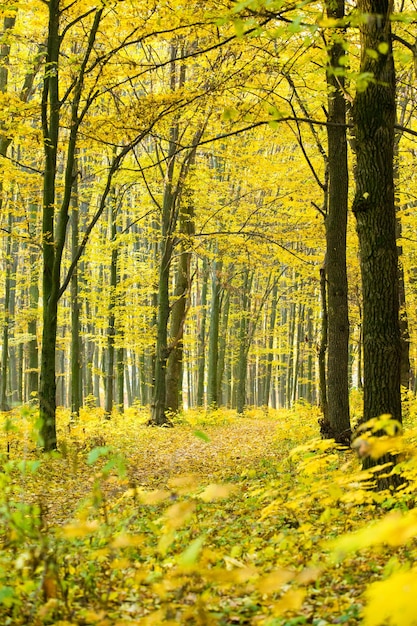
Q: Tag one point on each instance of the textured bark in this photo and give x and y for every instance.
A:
(213, 348)
(76, 371)
(111, 323)
(374, 208)
(201, 349)
(179, 309)
(266, 391)
(322, 353)
(337, 418)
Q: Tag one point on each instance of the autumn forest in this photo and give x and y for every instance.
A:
(207, 224)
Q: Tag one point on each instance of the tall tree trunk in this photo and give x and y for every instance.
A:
(337, 419)
(4, 406)
(266, 391)
(374, 209)
(242, 363)
(32, 373)
(76, 371)
(213, 348)
(111, 322)
(201, 346)
(179, 309)
(222, 385)
(322, 350)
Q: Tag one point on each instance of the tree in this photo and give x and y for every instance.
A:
(374, 209)
(336, 423)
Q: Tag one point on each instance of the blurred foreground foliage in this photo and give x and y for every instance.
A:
(220, 520)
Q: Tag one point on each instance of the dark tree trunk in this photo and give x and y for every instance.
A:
(213, 349)
(76, 371)
(111, 324)
(374, 208)
(179, 309)
(266, 390)
(201, 347)
(337, 420)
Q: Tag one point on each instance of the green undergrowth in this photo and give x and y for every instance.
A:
(219, 520)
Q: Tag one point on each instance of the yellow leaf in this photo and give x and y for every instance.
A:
(274, 581)
(392, 600)
(394, 529)
(216, 492)
(153, 497)
(178, 513)
(79, 529)
(308, 575)
(125, 540)
(184, 483)
(291, 601)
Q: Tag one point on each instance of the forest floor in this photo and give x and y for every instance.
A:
(218, 521)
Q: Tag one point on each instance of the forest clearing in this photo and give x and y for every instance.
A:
(219, 520)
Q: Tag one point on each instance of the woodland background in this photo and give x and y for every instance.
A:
(173, 126)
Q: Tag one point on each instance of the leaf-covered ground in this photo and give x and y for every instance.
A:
(219, 520)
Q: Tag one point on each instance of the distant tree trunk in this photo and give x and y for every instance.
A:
(4, 406)
(159, 416)
(270, 346)
(179, 308)
(32, 378)
(213, 348)
(76, 371)
(111, 324)
(336, 424)
(120, 379)
(221, 384)
(201, 347)
(242, 363)
(374, 209)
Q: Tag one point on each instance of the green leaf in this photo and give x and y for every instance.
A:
(6, 596)
(201, 435)
(96, 453)
(190, 555)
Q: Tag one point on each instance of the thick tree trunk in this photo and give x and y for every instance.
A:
(374, 208)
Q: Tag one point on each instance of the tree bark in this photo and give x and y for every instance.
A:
(337, 420)
(213, 348)
(374, 209)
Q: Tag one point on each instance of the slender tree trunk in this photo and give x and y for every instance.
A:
(179, 309)
(337, 418)
(4, 406)
(111, 324)
(76, 371)
(242, 364)
(322, 353)
(270, 347)
(221, 384)
(213, 348)
(201, 347)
